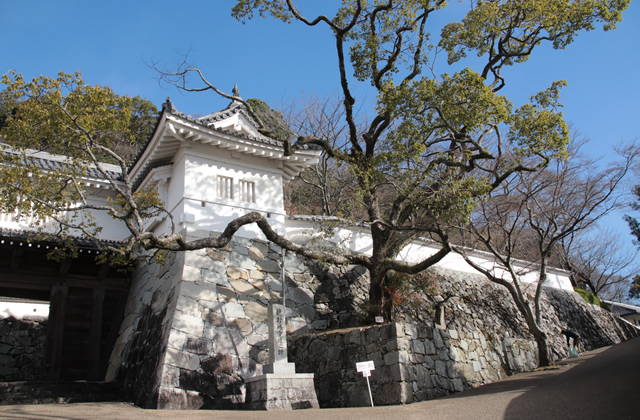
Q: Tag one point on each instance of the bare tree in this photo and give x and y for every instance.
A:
(547, 206)
(326, 189)
(600, 262)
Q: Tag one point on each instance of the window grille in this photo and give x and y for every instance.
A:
(248, 191)
(225, 187)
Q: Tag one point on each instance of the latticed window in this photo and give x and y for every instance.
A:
(248, 191)
(225, 187)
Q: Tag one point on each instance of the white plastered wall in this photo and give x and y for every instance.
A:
(194, 201)
(359, 241)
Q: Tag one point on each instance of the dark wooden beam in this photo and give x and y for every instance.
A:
(55, 333)
(95, 334)
(103, 271)
(16, 258)
(34, 281)
(63, 268)
(114, 330)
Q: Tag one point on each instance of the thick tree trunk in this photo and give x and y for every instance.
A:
(543, 349)
(380, 303)
(541, 339)
(530, 318)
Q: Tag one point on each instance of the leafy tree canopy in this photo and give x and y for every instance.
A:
(438, 142)
(88, 125)
(433, 145)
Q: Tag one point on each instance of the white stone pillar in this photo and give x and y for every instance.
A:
(278, 360)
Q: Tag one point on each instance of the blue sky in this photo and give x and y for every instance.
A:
(112, 42)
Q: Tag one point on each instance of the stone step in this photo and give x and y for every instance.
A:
(50, 392)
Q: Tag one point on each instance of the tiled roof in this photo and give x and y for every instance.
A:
(326, 219)
(48, 161)
(25, 235)
(232, 109)
(235, 107)
(312, 218)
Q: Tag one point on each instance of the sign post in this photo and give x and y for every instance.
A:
(366, 368)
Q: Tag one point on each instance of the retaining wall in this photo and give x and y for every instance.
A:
(22, 348)
(195, 329)
(483, 339)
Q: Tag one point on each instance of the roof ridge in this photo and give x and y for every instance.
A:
(46, 160)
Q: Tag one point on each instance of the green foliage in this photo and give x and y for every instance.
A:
(275, 126)
(438, 143)
(591, 298)
(86, 125)
(277, 9)
(514, 28)
(64, 115)
(538, 127)
(144, 115)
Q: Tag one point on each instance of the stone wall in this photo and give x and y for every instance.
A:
(197, 326)
(482, 339)
(22, 348)
(139, 351)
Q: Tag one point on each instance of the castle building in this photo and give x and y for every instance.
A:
(190, 332)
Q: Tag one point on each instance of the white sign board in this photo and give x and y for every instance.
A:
(365, 366)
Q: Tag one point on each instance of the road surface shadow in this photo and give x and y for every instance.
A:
(603, 386)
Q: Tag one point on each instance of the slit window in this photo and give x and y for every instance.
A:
(225, 187)
(248, 191)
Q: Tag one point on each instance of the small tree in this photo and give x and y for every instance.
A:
(537, 211)
(634, 288)
(599, 262)
(328, 188)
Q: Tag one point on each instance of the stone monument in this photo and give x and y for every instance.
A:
(280, 387)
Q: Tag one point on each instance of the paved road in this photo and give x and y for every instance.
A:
(602, 384)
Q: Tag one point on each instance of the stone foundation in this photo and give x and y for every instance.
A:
(482, 339)
(201, 319)
(281, 392)
(195, 331)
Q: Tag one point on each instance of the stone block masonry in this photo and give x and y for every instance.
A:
(195, 331)
(482, 340)
(281, 392)
(197, 325)
(22, 348)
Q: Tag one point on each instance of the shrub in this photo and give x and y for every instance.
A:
(591, 298)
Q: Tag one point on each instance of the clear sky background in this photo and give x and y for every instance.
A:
(113, 42)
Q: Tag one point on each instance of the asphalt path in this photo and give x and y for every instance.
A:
(602, 384)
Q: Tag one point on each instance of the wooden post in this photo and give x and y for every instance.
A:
(95, 335)
(55, 333)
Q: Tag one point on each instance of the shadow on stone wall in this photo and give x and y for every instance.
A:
(483, 339)
(139, 375)
(196, 328)
(338, 294)
(22, 348)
